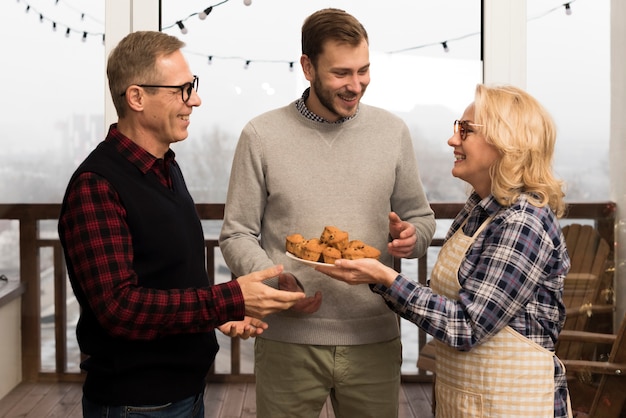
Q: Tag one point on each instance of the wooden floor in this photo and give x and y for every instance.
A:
(62, 400)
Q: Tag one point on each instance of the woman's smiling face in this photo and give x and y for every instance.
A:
(473, 156)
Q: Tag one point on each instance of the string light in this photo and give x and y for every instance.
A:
(68, 29)
(204, 13)
(444, 44)
(182, 27)
(568, 9)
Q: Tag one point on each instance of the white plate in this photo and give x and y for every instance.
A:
(307, 262)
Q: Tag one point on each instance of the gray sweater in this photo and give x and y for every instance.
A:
(294, 175)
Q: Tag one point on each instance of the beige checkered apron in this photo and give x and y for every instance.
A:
(507, 376)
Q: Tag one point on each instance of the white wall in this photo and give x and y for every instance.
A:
(11, 346)
(122, 18)
(618, 148)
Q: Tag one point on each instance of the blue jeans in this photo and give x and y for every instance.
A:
(192, 407)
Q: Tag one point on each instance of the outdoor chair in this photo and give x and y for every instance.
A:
(598, 387)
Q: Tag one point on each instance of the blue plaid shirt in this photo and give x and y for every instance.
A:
(512, 275)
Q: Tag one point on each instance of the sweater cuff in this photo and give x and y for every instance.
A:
(229, 304)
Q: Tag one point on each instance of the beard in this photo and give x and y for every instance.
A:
(328, 98)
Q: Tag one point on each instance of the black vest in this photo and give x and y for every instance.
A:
(168, 247)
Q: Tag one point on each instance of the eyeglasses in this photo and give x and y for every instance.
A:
(463, 127)
(185, 89)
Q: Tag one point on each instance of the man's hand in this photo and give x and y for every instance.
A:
(249, 327)
(308, 305)
(404, 237)
(261, 299)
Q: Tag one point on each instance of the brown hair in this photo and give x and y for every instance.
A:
(330, 25)
(133, 61)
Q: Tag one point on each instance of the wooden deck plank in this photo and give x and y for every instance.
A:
(29, 401)
(49, 402)
(327, 410)
(14, 397)
(419, 400)
(249, 402)
(232, 400)
(214, 395)
(70, 405)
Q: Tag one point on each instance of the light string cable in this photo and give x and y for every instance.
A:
(444, 44)
(57, 24)
(202, 15)
(247, 62)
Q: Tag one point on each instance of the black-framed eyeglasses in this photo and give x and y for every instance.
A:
(185, 89)
(463, 127)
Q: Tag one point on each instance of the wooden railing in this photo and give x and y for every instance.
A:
(29, 216)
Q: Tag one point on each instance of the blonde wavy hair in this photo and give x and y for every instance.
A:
(524, 134)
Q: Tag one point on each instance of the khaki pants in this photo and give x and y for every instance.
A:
(294, 380)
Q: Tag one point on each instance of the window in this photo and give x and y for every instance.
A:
(53, 87)
(569, 73)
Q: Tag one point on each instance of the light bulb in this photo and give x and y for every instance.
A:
(247, 2)
(203, 14)
(182, 27)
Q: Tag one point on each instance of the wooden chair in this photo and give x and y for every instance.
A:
(603, 393)
(587, 290)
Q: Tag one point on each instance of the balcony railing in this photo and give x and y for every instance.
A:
(32, 243)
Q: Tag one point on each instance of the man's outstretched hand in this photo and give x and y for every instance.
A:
(249, 327)
(261, 299)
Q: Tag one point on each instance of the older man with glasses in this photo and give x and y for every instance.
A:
(134, 248)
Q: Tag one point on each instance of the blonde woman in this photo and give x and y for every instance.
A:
(494, 304)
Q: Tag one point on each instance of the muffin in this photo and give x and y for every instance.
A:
(355, 243)
(312, 250)
(353, 253)
(371, 252)
(293, 243)
(330, 254)
(334, 237)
